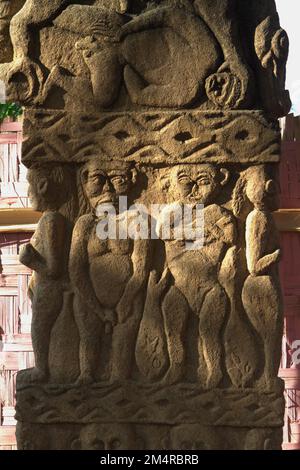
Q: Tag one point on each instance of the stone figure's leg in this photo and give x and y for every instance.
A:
(175, 311)
(45, 310)
(262, 303)
(123, 343)
(211, 321)
(90, 328)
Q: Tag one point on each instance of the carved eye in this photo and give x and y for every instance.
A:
(116, 444)
(184, 179)
(98, 445)
(203, 181)
(186, 445)
(118, 180)
(97, 178)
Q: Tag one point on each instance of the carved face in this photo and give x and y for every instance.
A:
(104, 183)
(196, 183)
(195, 437)
(48, 187)
(261, 190)
(108, 437)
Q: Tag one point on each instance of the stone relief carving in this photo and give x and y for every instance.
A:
(47, 255)
(110, 44)
(108, 276)
(261, 292)
(107, 437)
(164, 103)
(8, 8)
(192, 184)
(153, 137)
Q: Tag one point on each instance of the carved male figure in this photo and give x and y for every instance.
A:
(47, 254)
(108, 437)
(196, 272)
(108, 276)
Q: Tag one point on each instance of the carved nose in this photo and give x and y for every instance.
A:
(195, 189)
(107, 186)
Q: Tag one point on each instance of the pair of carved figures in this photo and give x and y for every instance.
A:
(199, 317)
(171, 53)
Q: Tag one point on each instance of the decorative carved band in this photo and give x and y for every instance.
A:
(151, 137)
(148, 404)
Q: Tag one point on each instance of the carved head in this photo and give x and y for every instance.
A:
(263, 439)
(256, 187)
(195, 183)
(109, 437)
(48, 187)
(105, 182)
(195, 437)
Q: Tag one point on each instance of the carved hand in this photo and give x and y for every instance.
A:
(156, 288)
(124, 309)
(27, 253)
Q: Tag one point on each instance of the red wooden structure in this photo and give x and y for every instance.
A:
(15, 311)
(290, 277)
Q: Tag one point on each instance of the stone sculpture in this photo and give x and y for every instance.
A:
(167, 343)
(108, 276)
(47, 255)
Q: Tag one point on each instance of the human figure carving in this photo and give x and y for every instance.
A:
(108, 437)
(196, 437)
(36, 15)
(261, 292)
(195, 273)
(108, 276)
(47, 255)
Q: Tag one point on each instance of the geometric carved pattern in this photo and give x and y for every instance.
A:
(137, 403)
(151, 137)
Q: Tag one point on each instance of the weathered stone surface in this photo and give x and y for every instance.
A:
(152, 137)
(141, 403)
(151, 343)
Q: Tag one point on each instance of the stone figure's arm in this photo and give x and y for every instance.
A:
(263, 264)
(33, 13)
(256, 244)
(151, 19)
(141, 269)
(79, 266)
(50, 262)
(140, 260)
(223, 230)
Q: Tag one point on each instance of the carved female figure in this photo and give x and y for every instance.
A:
(261, 292)
(47, 254)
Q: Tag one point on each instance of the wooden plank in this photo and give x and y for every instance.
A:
(19, 216)
(287, 220)
(15, 126)
(17, 338)
(8, 291)
(15, 347)
(18, 228)
(8, 414)
(9, 138)
(9, 361)
(7, 435)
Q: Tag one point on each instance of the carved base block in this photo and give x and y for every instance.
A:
(150, 416)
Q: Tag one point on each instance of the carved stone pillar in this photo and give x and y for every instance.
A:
(147, 343)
